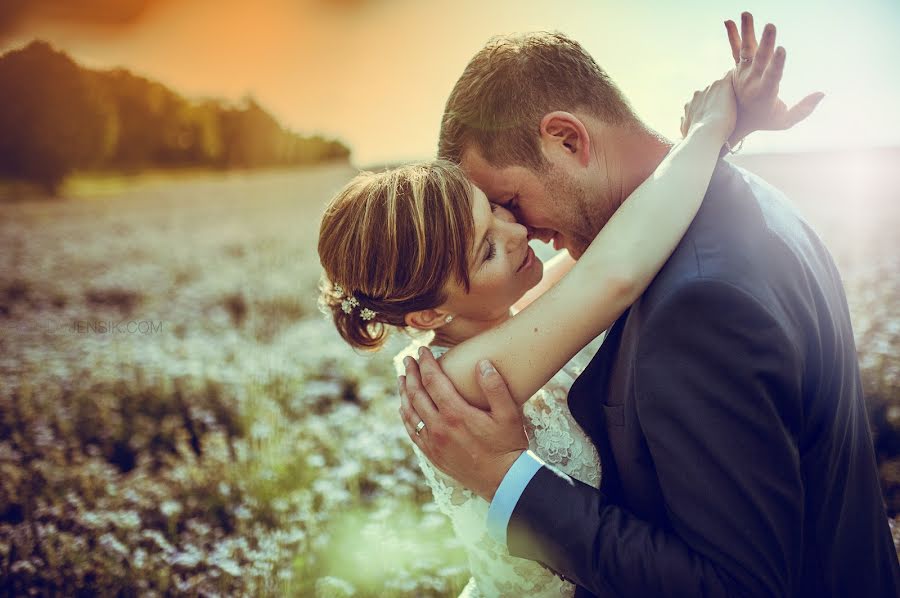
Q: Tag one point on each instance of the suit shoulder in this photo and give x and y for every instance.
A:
(746, 234)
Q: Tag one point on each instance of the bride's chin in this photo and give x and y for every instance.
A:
(538, 276)
(539, 271)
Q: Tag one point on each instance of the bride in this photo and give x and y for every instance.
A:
(420, 247)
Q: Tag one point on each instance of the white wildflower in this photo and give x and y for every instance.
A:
(170, 508)
(334, 587)
(112, 544)
(190, 557)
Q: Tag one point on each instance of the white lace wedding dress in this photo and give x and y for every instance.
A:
(556, 438)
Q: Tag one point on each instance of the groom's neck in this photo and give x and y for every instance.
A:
(630, 156)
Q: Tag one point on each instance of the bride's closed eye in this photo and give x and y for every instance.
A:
(492, 250)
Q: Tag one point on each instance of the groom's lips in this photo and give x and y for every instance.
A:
(543, 235)
(557, 242)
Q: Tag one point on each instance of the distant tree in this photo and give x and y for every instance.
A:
(56, 117)
(52, 120)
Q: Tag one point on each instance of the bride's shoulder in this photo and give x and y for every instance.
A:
(412, 350)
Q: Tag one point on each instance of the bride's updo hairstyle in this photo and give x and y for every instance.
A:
(390, 242)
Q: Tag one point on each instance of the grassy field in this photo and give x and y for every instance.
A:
(177, 418)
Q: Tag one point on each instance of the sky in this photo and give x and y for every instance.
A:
(376, 73)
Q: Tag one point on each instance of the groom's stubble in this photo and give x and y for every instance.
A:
(620, 169)
(580, 215)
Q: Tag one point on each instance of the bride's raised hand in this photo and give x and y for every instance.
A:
(715, 107)
(757, 75)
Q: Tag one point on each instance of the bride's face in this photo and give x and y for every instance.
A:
(502, 266)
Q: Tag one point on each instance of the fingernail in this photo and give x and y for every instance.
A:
(407, 361)
(486, 367)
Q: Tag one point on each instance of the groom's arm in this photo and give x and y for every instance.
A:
(718, 389)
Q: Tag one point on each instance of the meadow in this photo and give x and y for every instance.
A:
(176, 417)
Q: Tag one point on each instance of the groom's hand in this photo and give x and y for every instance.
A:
(471, 445)
(757, 75)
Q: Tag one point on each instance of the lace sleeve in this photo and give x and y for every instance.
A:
(556, 438)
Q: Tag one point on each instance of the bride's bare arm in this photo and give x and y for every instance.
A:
(615, 269)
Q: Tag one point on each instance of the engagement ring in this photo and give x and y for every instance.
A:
(419, 427)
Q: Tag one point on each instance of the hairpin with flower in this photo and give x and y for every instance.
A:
(349, 303)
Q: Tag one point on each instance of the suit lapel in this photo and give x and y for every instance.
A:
(586, 396)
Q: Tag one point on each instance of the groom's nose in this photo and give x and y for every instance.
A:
(541, 234)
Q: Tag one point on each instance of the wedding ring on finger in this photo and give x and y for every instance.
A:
(419, 427)
(745, 60)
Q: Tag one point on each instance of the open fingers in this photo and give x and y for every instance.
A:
(748, 36)
(772, 75)
(802, 109)
(734, 40)
(765, 50)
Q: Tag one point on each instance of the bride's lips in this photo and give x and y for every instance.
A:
(529, 259)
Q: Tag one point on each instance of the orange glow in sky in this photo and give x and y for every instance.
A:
(376, 73)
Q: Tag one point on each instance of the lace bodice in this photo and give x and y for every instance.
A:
(553, 435)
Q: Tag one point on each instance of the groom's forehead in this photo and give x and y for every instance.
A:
(490, 178)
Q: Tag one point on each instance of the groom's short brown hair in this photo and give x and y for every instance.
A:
(497, 104)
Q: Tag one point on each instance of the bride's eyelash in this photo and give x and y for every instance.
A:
(492, 250)
(494, 207)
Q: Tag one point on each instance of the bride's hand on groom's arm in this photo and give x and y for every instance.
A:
(757, 75)
(471, 445)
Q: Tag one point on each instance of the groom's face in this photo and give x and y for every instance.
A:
(550, 204)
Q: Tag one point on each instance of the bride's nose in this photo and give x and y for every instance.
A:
(516, 235)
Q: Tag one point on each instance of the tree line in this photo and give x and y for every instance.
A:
(57, 117)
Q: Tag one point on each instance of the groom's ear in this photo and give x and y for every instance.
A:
(425, 319)
(563, 132)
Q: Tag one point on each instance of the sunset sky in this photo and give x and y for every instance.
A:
(376, 73)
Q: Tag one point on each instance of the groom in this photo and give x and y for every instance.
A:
(725, 403)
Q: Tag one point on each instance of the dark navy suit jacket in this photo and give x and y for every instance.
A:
(727, 409)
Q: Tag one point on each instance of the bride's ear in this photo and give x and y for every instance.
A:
(426, 319)
(563, 133)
